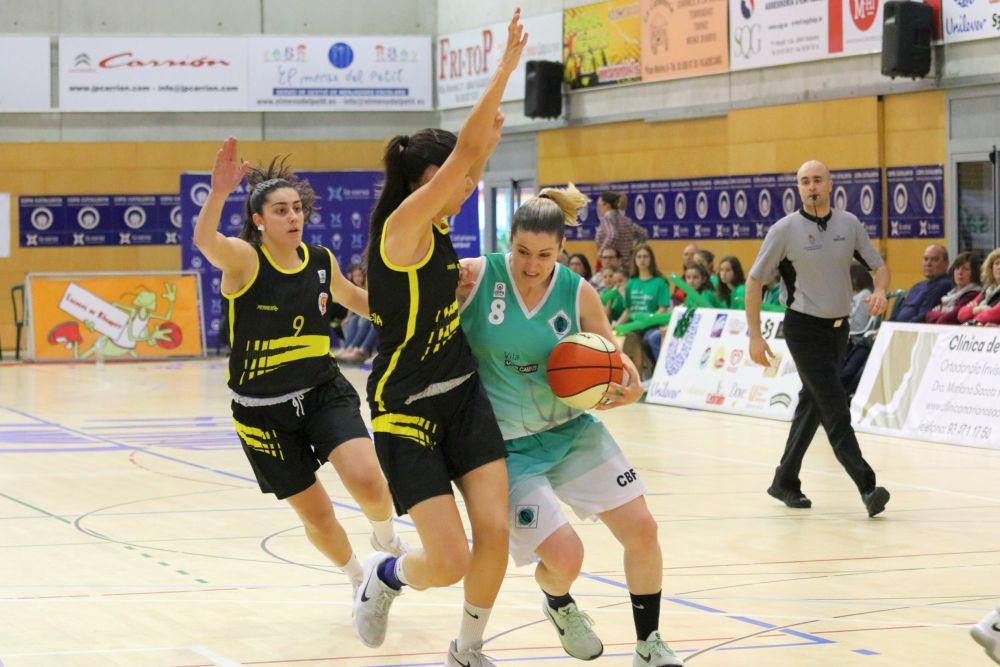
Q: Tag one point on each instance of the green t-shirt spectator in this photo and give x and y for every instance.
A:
(617, 303)
(644, 297)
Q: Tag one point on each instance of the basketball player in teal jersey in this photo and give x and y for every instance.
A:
(432, 419)
(516, 308)
(292, 407)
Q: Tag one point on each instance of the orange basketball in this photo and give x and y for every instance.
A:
(580, 368)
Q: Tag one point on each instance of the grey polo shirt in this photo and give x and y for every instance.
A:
(813, 256)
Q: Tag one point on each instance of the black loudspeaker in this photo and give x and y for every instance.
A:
(906, 38)
(543, 89)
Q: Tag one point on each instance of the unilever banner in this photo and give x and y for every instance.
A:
(708, 367)
(601, 43)
(25, 73)
(916, 201)
(344, 203)
(732, 207)
(466, 60)
(965, 20)
(384, 73)
(99, 220)
(763, 33)
(152, 73)
(933, 383)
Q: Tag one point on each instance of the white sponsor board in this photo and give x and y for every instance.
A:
(466, 60)
(152, 73)
(763, 33)
(964, 20)
(94, 311)
(709, 367)
(380, 73)
(932, 383)
(25, 73)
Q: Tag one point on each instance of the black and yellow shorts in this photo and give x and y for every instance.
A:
(425, 445)
(286, 443)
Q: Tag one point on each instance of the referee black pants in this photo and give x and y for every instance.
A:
(818, 348)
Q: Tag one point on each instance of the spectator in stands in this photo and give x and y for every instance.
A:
(687, 258)
(859, 321)
(613, 297)
(608, 258)
(646, 293)
(730, 290)
(928, 292)
(707, 259)
(985, 309)
(360, 337)
(964, 273)
(616, 230)
(578, 263)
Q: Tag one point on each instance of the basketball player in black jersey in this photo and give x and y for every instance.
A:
(432, 419)
(292, 407)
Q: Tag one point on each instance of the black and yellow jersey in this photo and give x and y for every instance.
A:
(279, 327)
(416, 314)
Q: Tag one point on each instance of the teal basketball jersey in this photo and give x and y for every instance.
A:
(512, 345)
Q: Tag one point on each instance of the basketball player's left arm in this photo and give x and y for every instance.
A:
(345, 292)
(593, 320)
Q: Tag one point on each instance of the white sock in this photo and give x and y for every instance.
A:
(473, 625)
(384, 532)
(400, 572)
(352, 569)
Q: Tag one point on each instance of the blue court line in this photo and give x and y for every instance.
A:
(862, 651)
(812, 639)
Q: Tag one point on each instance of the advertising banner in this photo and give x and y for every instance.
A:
(916, 201)
(601, 43)
(730, 207)
(25, 73)
(466, 60)
(933, 383)
(110, 73)
(964, 20)
(708, 366)
(100, 316)
(685, 38)
(371, 73)
(98, 220)
(764, 33)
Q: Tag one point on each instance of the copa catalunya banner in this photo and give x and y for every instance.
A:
(25, 73)
(708, 367)
(932, 382)
(466, 60)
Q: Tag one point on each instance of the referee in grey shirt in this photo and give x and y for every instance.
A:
(812, 250)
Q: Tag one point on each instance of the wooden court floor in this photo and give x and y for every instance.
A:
(132, 533)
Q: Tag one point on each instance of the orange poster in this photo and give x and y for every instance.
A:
(95, 316)
(683, 38)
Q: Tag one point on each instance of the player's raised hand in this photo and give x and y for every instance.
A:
(229, 170)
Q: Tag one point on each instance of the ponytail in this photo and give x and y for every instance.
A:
(550, 212)
(405, 160)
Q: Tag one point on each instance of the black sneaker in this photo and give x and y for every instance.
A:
(794, 499)
(875, 500)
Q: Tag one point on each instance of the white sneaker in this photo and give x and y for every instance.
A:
(573, 626)
(397, 547)
(654, 652)
(371, 606)
(987, 634)
(470, 657)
